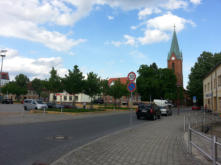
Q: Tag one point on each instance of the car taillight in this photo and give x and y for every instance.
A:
(151, 111)
(137, 110)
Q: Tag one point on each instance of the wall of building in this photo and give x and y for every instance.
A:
(68, 98)
(178, 69)
(212, 90)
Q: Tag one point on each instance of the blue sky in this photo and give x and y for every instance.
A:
(108, 37)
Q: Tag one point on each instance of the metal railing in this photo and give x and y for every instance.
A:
(212, 140)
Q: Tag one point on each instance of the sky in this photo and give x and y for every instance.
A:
(107, 37)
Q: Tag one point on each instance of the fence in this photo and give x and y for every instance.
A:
(200, 121)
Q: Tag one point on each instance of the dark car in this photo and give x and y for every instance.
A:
(7, 101)
(98, 101)
(54, 105)
(151, 111)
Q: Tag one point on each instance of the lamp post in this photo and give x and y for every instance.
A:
(2, 54)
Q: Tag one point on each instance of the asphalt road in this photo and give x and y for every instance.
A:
(25, 144)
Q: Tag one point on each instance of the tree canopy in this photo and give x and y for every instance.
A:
(205, 62)
(155, 83)
(92, 85)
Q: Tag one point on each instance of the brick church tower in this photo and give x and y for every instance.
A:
(175, 60)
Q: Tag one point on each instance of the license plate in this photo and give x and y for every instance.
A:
(143, 110)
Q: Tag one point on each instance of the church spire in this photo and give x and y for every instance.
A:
(175, 47)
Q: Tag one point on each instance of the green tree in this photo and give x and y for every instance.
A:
(54, 83)
(117, 90)
(155, 83)
(22, 80)
(37, 86)
(104, 89)
(73, 82)
(205, 62)
(92, 86)
(14, 88)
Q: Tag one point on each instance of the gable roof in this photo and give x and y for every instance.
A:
(174, 49)
(123, 80)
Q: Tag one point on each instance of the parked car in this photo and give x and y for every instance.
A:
(34, 104)
(148, 111)
(196, 107)
(7, 101)
(54, 105)
(98, 101)
(165, 110)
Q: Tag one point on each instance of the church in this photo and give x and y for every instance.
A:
(175, 60)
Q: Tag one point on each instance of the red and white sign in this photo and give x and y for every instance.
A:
(131, 76)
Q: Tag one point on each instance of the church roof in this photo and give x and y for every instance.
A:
(175, 48)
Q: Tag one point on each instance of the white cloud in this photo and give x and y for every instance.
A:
(174, 4)
(128, 40)
(159, 28)
(110, 17)
(148, 11)
(196, 2)
(153, 36)
(167, 21)
(40, 67)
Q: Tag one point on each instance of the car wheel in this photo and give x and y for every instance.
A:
(158, 116)
(138, 117)
(25, 108)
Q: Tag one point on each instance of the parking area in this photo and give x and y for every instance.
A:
(11, 108)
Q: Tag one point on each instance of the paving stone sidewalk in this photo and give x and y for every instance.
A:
(157, 142)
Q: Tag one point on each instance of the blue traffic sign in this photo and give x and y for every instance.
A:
(131, 87)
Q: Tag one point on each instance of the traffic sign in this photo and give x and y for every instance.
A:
(131, 87)
(131, 76)
(194, 99)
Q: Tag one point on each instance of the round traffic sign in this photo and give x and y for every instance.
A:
(131, 76)
(131, 87)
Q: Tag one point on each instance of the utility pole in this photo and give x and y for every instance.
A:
(2, 54)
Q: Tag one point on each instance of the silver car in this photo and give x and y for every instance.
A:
(165, 110)
(34, 104)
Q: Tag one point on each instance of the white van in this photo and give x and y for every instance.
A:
(160, 102)
(34, 104)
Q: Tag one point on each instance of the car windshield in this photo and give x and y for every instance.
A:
(39, 102)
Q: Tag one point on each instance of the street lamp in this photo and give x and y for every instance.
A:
(2, 54)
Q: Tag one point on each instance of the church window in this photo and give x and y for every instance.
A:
(173, 66)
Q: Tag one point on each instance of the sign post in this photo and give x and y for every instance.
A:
(131, 87)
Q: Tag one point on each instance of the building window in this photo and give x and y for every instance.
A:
(204, 87)
(173, 66)
(75, 98)
(219, 80)
(70, 98)
(208, 87)
(65, 98)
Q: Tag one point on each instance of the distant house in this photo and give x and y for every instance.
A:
(4, 78)
(65, 97)
(124, 99)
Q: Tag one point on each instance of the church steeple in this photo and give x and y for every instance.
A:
(175, 60)
(174, 49)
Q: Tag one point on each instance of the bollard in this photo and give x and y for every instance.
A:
(214, 150)
(189, 140)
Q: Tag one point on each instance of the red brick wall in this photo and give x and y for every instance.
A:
(178, 69)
